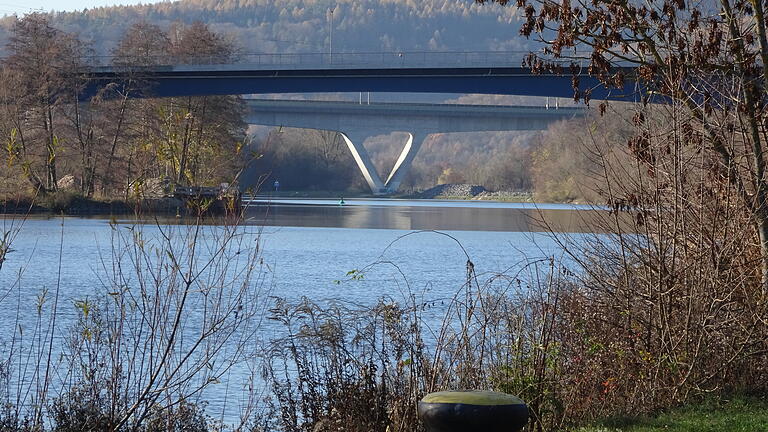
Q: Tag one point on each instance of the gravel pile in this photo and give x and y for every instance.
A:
(505, 196)
(472, 192)
(451, 190)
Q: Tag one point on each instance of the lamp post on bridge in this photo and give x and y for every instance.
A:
(330, 33)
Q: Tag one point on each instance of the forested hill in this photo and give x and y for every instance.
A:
(302, 26)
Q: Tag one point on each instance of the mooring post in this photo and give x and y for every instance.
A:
(465, 411)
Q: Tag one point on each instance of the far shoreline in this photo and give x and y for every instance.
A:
(71, 204)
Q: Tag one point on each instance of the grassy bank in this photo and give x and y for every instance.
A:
(734, 415)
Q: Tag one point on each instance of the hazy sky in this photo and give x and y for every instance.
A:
(8, 7)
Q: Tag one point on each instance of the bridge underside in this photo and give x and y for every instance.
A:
(358, 122)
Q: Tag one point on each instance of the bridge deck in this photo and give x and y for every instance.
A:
(406, 105)
(451, 109)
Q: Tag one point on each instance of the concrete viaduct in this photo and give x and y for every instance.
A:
(356, 122)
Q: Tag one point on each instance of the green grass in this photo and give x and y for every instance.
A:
(734, 415)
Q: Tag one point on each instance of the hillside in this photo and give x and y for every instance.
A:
(302, 26)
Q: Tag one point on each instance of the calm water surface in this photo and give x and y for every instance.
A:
(424, 215)
(308, 245)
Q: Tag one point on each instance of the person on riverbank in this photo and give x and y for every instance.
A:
(276, 184)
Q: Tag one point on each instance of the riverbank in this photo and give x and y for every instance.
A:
(450, 191)
(76, 205)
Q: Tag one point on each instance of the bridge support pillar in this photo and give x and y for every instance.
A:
(360, 154)
(378, 187)
(403, 164)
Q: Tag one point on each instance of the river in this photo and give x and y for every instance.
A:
(307, 247)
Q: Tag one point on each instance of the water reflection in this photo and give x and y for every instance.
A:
(419, 215)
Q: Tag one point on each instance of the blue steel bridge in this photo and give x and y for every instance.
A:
(425, 72)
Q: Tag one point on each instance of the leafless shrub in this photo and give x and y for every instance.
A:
(670, 306)
(179, 309)
(354, 368)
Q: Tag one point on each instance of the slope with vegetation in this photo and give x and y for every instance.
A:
(292, 26)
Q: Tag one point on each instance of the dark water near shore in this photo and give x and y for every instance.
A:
(308, 245)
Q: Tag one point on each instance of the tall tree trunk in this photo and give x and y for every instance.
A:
(188, 121)
(108, 177)
(26, 165)
(199, 143)
(50, 163)
(89, 166)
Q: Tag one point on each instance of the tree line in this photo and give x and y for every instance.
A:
(111, 144)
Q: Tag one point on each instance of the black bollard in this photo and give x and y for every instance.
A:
(465, 411)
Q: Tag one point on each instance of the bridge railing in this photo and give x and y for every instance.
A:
(396, 59)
